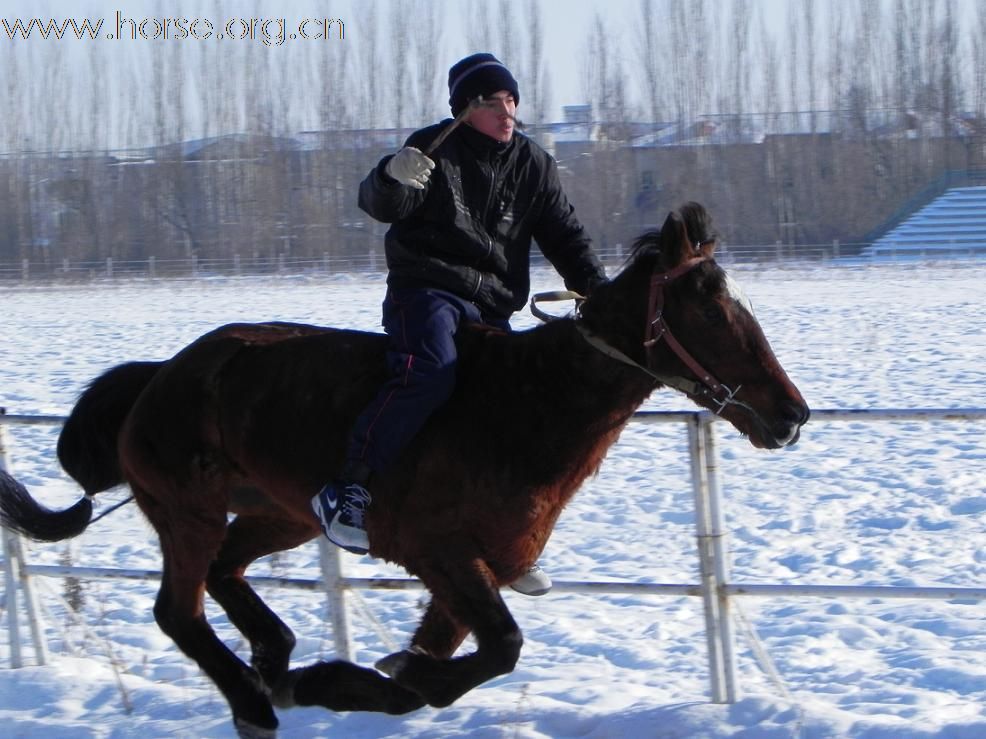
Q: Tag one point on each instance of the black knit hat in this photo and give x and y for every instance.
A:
(479, 74)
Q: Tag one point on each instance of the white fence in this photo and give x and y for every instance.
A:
(715, 586)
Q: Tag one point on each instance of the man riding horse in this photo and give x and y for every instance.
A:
(458, 250)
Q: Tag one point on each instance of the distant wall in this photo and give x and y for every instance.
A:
(792, 189)
(256, 202)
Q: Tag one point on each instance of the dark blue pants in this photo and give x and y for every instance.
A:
(421, 358)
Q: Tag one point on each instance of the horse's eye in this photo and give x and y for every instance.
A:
(712, 313)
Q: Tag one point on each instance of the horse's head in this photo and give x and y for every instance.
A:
(674, 311)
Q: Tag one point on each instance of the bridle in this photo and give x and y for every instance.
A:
(657, 329)
(707, 386)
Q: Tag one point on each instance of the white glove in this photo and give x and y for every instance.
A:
(410, 167)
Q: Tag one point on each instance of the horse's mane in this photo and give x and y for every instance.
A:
(696, 221)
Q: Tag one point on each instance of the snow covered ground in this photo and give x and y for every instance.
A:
(853, 503)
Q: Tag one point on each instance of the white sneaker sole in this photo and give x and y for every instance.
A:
(532, 583)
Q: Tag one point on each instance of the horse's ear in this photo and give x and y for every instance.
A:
(675, 244)
(696, 219)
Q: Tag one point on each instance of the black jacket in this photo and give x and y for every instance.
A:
(469, 231)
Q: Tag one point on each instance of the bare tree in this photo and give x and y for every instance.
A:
(794, 31)
(12, 132)
(739, 64)
(978, 36)
(948, 67)
(650, 58)
(809, 23)
(837, 68)
(506, 41)
(534, 76)
(476, 18)
(14, 213)
(902, 79)
(688, 66)
(334, 72)
(702, 93)
(426, 51)
(611, 171)
(861, 92)
(369, 66)
(770, 88)
(401, 96)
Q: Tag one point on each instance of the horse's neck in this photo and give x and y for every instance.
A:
(591, 383)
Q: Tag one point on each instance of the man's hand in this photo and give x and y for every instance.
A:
(410, 167)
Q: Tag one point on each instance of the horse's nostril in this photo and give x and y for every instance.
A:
(796, 414)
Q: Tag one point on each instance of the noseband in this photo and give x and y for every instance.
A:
(657, 330)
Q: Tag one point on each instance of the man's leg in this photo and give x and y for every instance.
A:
(421, 358)
(421, 325)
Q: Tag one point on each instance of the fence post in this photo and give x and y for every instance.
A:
(25, 270)
(10, 566)
(14, 580)
(720, 542)
(331, 562)
(706, 556)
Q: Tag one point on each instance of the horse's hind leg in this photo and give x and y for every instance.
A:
(189, 544)
(248, 538)
(472, 600)
(339, 685)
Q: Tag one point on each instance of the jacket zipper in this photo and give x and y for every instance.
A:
(490, 200)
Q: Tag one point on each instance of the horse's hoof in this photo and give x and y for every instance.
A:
(246, 730)
(282, 694)
(392, 664)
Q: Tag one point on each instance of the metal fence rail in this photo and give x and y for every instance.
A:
(715, 586)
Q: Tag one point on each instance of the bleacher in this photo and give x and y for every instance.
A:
(952, 225)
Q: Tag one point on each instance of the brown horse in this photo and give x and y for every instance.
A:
(252, 419)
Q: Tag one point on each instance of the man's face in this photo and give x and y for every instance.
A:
(495, 117)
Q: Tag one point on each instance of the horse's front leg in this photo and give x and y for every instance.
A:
(472, 600)
(438, 634)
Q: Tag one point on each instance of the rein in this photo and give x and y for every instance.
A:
(656, 330)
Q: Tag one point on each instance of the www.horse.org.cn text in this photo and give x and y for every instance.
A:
(269, 31)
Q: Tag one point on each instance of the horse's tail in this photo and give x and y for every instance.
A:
(87, 444)
(21, 513)
(87, 450)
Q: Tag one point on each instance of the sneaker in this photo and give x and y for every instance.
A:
(340, 508)
(533, 582)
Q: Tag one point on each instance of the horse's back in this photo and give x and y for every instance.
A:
(244, 394)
